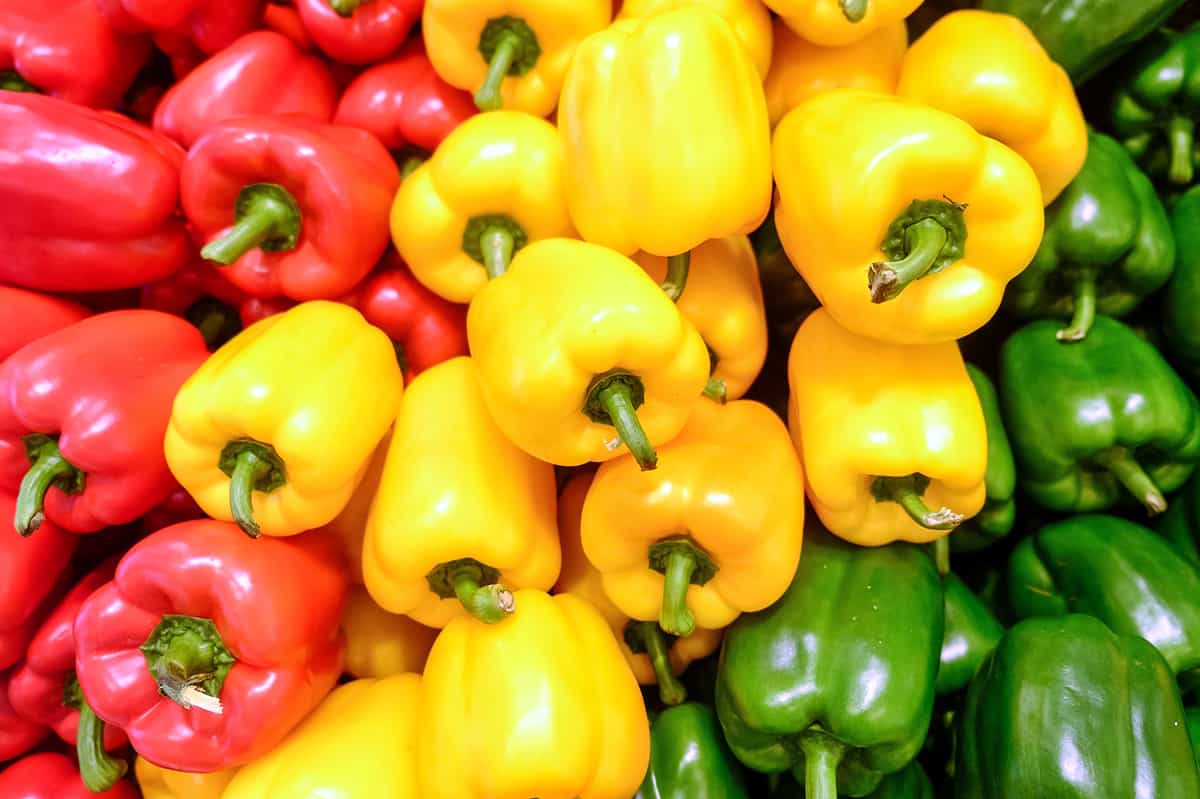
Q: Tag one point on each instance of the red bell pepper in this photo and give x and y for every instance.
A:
(298, 207)
(67, 49)
(209, 646)
(53, 776)
(83, 413)
(17, 735)
(260, 73)
(358, 31)
(178, 507)
(28, 316)
(181, 52)
(285, 19)
(212, 25)
(90, 199)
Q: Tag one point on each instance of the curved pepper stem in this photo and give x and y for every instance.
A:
(1085, 310)
(266, 216)
(1129, 473)
(99, 770)
(345, 8)
(681, 563)
(925, 239)
(614, 399)
(714, 389)
(189, 660)
(12, 81)
(490, 604)
(677, 275)
(251, 466)
(906, 492)
(216, 321)
(496, 244)
(510, 47)
(822, 756)
(487, 98)
(646, 637)
(1181, 131)
(48, 468)
(854, 10)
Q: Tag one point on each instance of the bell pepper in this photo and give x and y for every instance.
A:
(50, 775)
(724, 301)
(162, 783)
(359, 31)
(295, 206)
(1182, 295)
(207, 647)
(910, 782)
(285, 19)
(989, 70)
(511, 53)
(1107, 245)
(575, 362)
(835, 23)
(1181, 523)
(801, 69)
(942, 217)
(1064, 707)
(32, 315)
(749, 19)
(543, 705)
(91, 200)
(211, 25)
(259, 433)
(495, 185)
(461, 515)
(893, 438)
(971, 632)
(31, 572)
(349, 527)
(1193, 725)
(81, 422)
(17, 734)
(380, 644)
(1096, 420)
(999, 511)
(261, 73)
(1156, 106)
(689, 758)
(789, 698)
(655, 657)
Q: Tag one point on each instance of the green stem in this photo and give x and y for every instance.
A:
(99, 770)
(48, 468)
(941, 555)
(654, 643)
(822, 756)
(488, 97)
(854, 10)
(676, 617)
(409, 165)
(677, 275)
(496, 245)
(248, 471)
(1180, 133)
(216, 321)
(925, 240)
(616, 399)
(1085, 309)
(189, 661)
(345, 8)
(266, 216)
(1129, 473)
(906, 492)
(11, 80)
(488, 603)
(714, 389)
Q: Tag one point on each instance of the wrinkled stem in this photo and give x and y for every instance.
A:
(676, 618)
(925, 240)
(99, 770)
(488, 97)
(670, 689)
(1180, 133)
(48, 468)
(904, 492)
(677, 275)
(1085, 309)
(714, 389)
(854, 10)
(345, 8)
(247, 472)
(617, 401)
(496, 245)
(822, 756)
(488, 603)
(1129, 473)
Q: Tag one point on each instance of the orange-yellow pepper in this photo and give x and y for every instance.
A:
(906, 223)
(157, 782)
(835, 23)
(380, 644)
(543, 705)
(713, 533)
(750, 20)
(990, 70)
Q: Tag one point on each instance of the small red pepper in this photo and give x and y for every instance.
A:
(357, 31)
(28, 316)
(299, 208)
(83, 413)
(285, 19)
(53, 776)
(209, 646)
(17, 735)
(212, 25)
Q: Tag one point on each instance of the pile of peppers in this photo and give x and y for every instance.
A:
(657, 399)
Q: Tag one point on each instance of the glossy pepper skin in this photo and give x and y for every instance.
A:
(989, 70)
(50, 775)
(1181, 523)
(1107, 245)
(39, 315)
(999, 511)
(494, 185)
(17, 734)
(258, 433)
(1096, 421)
(295, 207)
(1064, 707)
(788, 697)
(689, 757)
(971, 632)
(835, 23)
(380, 644)
(91, 199)
(261, 73)
(907, 229)
(81, 422)
(357, 32)
(199, 616)
(209, 25)
(162, 783)
(461, 515)
(542, 705)
(618, 346)
(749, 19)
(350, 526)
(1182, 294)
(893, 438)
(31, 572)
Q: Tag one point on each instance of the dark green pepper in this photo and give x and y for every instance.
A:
(835, 681)
(1181, 300)
(999, 510)
(1107, 245)
(910, 782)
(1064, 708)
(689, 757)
(971, 633)
(1193, 725)
(1090, 418)
(1181, 523)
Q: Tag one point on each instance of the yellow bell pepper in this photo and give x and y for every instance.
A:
(990, 70)
(511, 53)
(543, 705)
(750, 20)
(461, 515)
(835, 23)
(905, 222)
(350, 526)
(276, 429)
(360, 743)
(157, 782)
(801, 69)
(724, 301)
(715, 532)
(886, 432)
(654, 657)
(576, 340)
(494, 185)
(380, 644)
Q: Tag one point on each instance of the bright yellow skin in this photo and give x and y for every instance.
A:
(989, 70)
(665, 129)
(502, 162)
(541, 705)
(750, 20)
(841, 183)
(733, 483)
(380, 644)
(451, 29)
(822, 22)
(862, 409)
(360, 743)
(161, 783)
(801, 69)
(318, 384)
(565, 312)
(350, 526)
(454, 487)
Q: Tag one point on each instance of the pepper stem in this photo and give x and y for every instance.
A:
(854, 10)
(488, 97)
(1180, 133)
(925, 240)
(1129, 473)
(48, 468)
(188, 659)
(247, 472)
(941, 555)
(617, 401)
(266, 216)
(488, 603)
(216, 321)
(1085, 310)
(676, 617)
(409, 165)
(653, 642)
(496, 245)
(822, 756)
(906, 492)
(99, 770)
(345, 8)
(677, 275)
(11, 80)
(714, 389)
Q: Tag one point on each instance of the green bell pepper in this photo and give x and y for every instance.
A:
(1066, 708)
(835, 681)
(689, 757)
(1157, 105)
(1107, 245)
(1193, 725)
(1181, 300)
(910, 782)
(971, 633)
(1181, 523)
(1000, 510)
(1089, 418)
